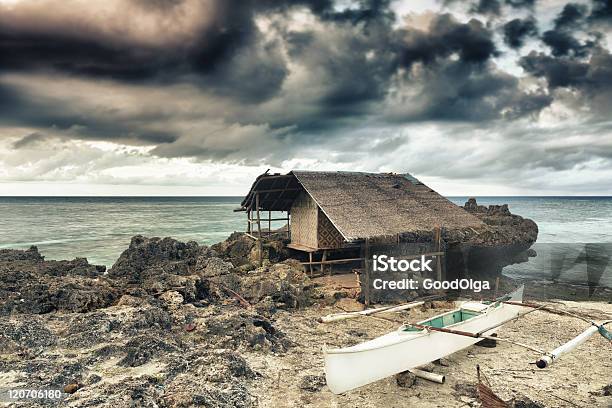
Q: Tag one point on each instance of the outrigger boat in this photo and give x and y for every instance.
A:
(414, 345)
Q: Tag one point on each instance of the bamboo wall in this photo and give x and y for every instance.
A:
(304, 221)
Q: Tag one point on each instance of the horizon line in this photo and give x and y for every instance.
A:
(242, 196)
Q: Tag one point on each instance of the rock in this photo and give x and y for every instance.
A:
(29, 284)
(236, 247)
(76, 267)
(526, 402)
(503, 242)
(214, 266)
(405, 379)
(242, 329)
(312, 383)
(241, 250)
(430, 367)
(172, 298)
(152, 256)
(30, 254)
(468, 389)
(605, 391)
(29, 334)
(128, 300)
(487, 343)
(284, 283)
(356, 333)
(71, 388)
(93, 379)
(442, 362)
(142, 349)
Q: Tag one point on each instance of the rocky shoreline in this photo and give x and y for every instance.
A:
(175, 324)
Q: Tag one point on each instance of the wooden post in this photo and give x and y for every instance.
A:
(258, 215)
(288, 224)
(259, 242)
(249, 222)
(310, 263)
(269, 222)
(323, 259)
(367, 272)
(437, 235)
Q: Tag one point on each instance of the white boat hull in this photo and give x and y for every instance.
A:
(352, 367)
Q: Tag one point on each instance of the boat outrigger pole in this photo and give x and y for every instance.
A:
(554, 355)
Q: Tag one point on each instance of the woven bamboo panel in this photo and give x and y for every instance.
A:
(304, 221)
(328, 235)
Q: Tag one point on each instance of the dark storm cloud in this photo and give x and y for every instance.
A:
(578, 59)
(521, 3)
(487, 7)
(207, 58)
(493, 7)
(460, 82)
(571, 16)
(601, 11)
(17, 109)
(28, 140)
(259, 73)
(563, 43)
(562, 38)
(593, 75)
(517, 30)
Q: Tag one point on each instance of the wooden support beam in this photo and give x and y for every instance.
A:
(272, 219)
(323, 259)
(367, 272)
(260, 244)
(281, 194)
(248, 221)
(437, 236)
(332, 261)
(310, 263)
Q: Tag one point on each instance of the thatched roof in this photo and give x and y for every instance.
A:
(365, 205)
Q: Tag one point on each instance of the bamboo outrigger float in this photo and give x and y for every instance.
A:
(412, 346)
(549, 358)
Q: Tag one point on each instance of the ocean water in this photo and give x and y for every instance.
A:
(100, 228)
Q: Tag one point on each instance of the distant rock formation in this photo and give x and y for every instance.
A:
(505, 241)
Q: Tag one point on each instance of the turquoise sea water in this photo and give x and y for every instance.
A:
(100, 228)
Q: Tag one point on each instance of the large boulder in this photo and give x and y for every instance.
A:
(151, 256)
(29, 284)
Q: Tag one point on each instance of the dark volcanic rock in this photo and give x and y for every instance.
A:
(405, 379)
(142, 349)
(29, 334)
(236, 247)
(30, 254)
(312, 383)
(28, 284)
(242, 251)
(484, 253)
(152, 256)
(505, 228)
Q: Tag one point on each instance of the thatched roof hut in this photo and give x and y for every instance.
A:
(331, 209)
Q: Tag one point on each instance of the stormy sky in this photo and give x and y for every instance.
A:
(193, 97)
